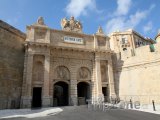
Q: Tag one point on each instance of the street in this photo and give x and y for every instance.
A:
(82, 113)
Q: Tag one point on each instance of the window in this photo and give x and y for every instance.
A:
(124, 40)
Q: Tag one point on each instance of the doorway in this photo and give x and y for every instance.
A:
(83, 90)
(60, 94)
(36, 97)
(105, 93)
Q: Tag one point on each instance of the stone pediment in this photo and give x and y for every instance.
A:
(71, 25)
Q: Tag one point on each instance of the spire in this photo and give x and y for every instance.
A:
(100, 31)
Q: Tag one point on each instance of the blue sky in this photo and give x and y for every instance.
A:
(140, 15)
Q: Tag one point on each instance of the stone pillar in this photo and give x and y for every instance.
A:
(73, 92)
(111, 80)
(107, 44)
(95, 42)
(30, 34)
(27, 82)
(93, 82)
(98, 77)
(133, 45)
(46, 99)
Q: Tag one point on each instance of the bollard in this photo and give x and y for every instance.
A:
(154, 109)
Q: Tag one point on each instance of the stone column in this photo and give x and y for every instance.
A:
(46, 99)
(107, 44)
(133, 44)
(111, 80)
(93, 82)
(95, 42)
(27, 84)
(98, 77)
(73, 92)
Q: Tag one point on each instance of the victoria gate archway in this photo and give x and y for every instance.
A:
(83, 86)
(61, 86)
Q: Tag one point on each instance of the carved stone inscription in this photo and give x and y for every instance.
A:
(73, 40)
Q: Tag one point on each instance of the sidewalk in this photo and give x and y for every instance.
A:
(29, 113)
(149, 109)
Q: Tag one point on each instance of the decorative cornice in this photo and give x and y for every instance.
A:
(27, 44)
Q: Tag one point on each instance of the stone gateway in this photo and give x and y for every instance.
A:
(64, 67)
(67, 67)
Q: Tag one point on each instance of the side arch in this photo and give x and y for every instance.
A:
(60, 93)
(83, 92)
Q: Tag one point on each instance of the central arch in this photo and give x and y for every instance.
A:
(83, 90)
(61, 86)
(61, 94)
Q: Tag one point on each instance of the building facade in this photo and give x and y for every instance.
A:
(65, 66)
(68, 67)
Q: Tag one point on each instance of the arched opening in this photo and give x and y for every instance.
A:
(60, 96)
(83, 90)
(124, 49)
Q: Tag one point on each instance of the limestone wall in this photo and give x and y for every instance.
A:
(11, 65)
(138, 77)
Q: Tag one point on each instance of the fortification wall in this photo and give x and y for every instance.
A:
(11, 65)
(138, 77)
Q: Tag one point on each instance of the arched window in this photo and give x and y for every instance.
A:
(124, 49)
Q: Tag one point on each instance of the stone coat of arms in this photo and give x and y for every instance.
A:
(71, 25)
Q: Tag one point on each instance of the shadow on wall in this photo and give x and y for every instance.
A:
(117, 63)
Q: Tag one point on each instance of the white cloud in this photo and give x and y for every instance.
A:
(80, 7)
(148, 27)
(123, 21)
(123, 7)
(135, 19)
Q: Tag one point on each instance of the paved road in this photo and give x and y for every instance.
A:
(82, 113)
